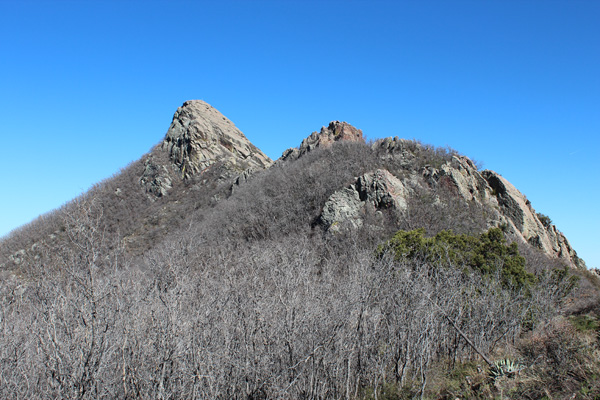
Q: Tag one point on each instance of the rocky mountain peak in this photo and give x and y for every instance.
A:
(200, 136)
(334, 132)
(199, 139)
(505, 206)
(511, 208)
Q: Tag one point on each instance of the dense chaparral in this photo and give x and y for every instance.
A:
(343, 270)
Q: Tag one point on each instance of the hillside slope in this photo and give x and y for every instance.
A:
(202, 150)
(341, 270)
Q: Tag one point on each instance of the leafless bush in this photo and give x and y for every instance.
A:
(246, 297)
(560, 361)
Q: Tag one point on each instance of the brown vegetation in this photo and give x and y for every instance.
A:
(208, 294)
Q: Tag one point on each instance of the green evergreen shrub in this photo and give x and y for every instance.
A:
(487, 253)
(544, 219)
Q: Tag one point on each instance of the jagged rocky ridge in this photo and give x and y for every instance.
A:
(336, 131)
(187, 266)
(510, 208)
(203, 147)
(200, 138)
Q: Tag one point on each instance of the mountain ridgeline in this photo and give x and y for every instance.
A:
(201, 138)
(344, 269)
(204, 152)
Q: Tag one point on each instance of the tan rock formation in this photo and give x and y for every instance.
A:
(526, 222)
(200, 136)
(336, 131)
(469, 182)
(513, 208)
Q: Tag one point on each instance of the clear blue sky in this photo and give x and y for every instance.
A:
(88, 86)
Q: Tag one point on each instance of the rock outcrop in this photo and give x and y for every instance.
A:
(382, 190)
(527, 223)
(200, 139)
(343, 210)
(377, 190)
(396, 148)
(336, 131)
(463, 175)
(155, 179)
(200, 136)
(505, 205)
(513, 208)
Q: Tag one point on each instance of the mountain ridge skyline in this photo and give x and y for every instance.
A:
(149, 152)
(89, 87)
(204, 257)
(201, 139)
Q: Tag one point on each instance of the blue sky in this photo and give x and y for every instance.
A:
(86, 87)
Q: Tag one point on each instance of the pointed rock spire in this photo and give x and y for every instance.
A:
(200, 136)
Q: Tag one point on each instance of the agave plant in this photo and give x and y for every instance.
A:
(505, 367)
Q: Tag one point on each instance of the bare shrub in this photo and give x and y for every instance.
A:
(210, 295)
(560, 362)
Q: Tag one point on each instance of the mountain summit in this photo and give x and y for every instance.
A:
(344, 270)
(203, 150)
(200, 136)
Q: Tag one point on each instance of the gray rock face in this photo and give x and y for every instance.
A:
(155, 179)
(462, 174)
(200, 136)
(336, 131)
(395, 148)
(343, 210)
(378, 190)
(519, 212)
(200, 139)
(382, 190)
(290, 154)
(512, 207)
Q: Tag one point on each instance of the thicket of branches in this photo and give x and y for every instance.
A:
(280, 318)
(244, 295)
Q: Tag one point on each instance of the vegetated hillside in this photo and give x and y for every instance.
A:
(343, 270)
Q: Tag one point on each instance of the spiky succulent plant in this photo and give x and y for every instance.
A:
(505, 367)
